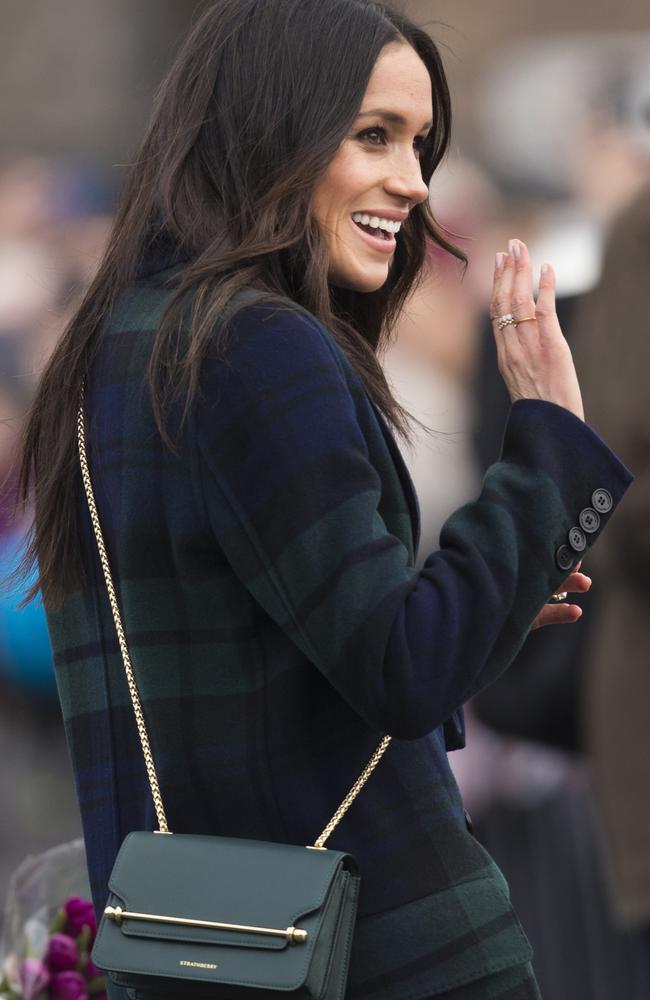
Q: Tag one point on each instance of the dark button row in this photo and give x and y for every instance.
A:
(589, 523)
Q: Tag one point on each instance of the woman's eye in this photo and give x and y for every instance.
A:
(374, 135)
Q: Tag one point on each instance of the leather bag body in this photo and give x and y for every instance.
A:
(233, 881)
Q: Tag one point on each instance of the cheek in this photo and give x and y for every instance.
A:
(347, 179)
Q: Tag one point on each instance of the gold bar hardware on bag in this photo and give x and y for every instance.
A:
(294, 935)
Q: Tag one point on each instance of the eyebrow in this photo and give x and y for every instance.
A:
(390, 116)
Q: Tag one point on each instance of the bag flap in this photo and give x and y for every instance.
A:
(220, 879)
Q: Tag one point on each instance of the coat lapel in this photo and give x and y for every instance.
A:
(404, 476)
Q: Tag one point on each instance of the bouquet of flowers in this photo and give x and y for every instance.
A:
(49, 930)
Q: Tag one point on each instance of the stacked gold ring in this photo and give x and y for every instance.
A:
(509, 320)
(506, 320)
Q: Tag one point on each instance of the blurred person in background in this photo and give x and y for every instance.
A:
(25, 658)
(532, 801)
(35, 773)
(277, 184)
(565, 172)
(53, 224)
(612, 351)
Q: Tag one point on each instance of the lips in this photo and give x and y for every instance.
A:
(386, 243)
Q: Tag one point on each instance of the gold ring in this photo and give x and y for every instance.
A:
(526, 319)
(556, 598)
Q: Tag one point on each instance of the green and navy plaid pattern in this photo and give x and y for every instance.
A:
(278, 627)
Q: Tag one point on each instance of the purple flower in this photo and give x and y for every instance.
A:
(68, 985)
(34, 978)
(79, 912)
(91, 970)
(61, 953)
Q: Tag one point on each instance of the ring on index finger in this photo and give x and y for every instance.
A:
(557, 598)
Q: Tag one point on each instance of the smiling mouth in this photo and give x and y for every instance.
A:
(374, 231)
(384, 244)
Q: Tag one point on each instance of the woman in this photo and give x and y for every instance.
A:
(261, 525)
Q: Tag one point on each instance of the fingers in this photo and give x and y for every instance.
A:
(565, 614)
(557, 614)
(546, 295)
(523, 305)
(504, 276)
(576, 583)
(501, 304)
(513, 284)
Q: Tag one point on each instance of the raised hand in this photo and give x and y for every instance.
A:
(534, 358)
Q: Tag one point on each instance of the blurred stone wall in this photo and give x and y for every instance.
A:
(77, 76)
(472, 32)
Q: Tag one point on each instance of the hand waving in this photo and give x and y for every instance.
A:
(534, 358)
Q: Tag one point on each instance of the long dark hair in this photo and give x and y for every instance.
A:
(249, 117)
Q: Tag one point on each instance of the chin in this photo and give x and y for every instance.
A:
(360, 281)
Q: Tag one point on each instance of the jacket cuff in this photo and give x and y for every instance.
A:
(589, 477)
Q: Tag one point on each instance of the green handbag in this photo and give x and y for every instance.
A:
(191, 916)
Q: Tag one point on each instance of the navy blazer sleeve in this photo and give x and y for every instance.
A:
(293, 500)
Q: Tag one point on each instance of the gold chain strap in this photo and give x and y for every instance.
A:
(133, 690)
(354, 791)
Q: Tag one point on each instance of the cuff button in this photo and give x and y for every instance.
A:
(577, 539)
(602, 501)
(589, 520)
(564, 558)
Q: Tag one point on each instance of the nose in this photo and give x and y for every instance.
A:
(405, 181)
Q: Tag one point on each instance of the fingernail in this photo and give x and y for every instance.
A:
(514, 248)
(544, 268)
(499, 261)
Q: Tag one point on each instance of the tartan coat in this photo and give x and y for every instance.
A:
(278, 626)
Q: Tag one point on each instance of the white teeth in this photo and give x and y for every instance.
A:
(376, 222)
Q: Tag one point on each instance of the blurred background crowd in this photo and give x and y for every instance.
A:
(551, 145)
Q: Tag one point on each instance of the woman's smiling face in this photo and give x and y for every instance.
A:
(375, 178)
